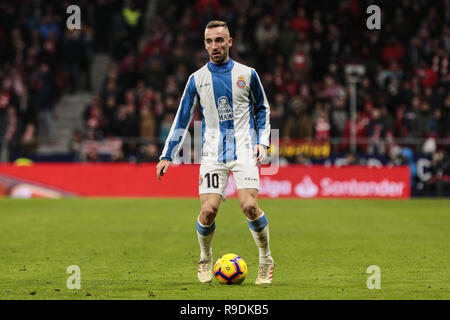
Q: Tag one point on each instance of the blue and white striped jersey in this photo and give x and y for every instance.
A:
(234, 108)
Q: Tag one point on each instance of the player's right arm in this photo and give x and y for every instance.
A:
(179, 127)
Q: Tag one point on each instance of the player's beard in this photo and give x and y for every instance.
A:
(219, 58)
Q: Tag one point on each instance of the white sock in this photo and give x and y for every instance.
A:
(259, 229)
(205, 235)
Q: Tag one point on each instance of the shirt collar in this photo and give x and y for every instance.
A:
(221, 68)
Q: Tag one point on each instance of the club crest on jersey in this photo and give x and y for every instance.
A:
(241, 82)
(224, 110)
(200, 180)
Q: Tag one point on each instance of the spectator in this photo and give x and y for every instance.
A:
(43, 89)
(29, 141)
(300, 63)
(439, 182)
(446, 117)
(393, 52)
(298, 124)
(165, 126)
(376, 132)
(75, 145)
(301, 23)
(266, 33)
(108, 113)
(423, 119)
(428, 76)
(339, 117)
(12, 126)
(322, 124)
(147, 123)
(286, 38)
(125, 121)
(277, 111)
(149, 153)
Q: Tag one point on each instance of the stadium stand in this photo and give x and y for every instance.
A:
(300, 49)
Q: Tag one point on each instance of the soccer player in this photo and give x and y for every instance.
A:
(235, 137)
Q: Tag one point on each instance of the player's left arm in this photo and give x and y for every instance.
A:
(262, 117)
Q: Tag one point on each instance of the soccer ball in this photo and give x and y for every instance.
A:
(230, 269)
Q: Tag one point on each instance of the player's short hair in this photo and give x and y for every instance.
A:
(216, 23)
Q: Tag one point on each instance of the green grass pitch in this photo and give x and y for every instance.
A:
(148, 249)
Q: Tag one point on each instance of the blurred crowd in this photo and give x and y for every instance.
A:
(300, 50)
(40, 59)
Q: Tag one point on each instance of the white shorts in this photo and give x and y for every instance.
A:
(214, 176)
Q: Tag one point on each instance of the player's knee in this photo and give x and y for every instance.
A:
(208, 214)
(250, 209)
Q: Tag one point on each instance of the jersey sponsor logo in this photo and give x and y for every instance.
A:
(241, 82)
(224, 110)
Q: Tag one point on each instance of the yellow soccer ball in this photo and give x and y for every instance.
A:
(230, 269)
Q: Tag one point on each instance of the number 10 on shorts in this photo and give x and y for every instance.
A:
(212, 180)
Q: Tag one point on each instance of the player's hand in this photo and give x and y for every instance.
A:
(161, 168)
(260, 152)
